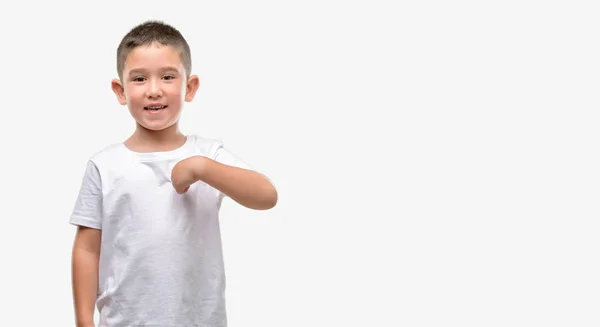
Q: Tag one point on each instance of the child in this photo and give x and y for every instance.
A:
(147, 251)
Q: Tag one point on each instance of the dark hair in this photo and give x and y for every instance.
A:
(149, 32)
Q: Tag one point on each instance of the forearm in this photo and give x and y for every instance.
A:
(85, 285)
(248, 188)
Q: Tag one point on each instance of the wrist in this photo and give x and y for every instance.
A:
(199, 167)
(85, 320)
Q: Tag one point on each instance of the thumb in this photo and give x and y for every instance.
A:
(179, 189)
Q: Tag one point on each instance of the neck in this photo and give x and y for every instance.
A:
(145, 140)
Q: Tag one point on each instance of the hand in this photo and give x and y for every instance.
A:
(184, 174)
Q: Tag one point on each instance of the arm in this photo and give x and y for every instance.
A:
(246, 187)
(85, 261)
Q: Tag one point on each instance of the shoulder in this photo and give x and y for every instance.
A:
(216, 150)
(208, 147)
(110, 155)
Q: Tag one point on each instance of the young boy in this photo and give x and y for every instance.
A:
(147, 251)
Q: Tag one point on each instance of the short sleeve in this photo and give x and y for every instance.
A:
(88, 206)
(226, 157)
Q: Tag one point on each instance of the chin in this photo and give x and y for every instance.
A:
(154, 126)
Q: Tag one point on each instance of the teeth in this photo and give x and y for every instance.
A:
(155, 108)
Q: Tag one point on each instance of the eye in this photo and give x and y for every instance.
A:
(138, 79)
(169, 77)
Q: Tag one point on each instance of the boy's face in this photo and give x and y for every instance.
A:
(154, 86)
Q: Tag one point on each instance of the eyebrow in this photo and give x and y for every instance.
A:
(143, 70)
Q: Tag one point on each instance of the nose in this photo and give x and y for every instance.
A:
(153, 90)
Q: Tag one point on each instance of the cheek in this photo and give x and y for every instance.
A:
(176, 93)
(134, 95)
(175, 90)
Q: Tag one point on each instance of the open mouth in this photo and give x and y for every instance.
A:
(155, 108)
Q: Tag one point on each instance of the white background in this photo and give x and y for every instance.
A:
(437, 161)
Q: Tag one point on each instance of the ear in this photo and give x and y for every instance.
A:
(119, 90)
(191, 87)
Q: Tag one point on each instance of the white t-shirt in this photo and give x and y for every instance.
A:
(161, 261)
